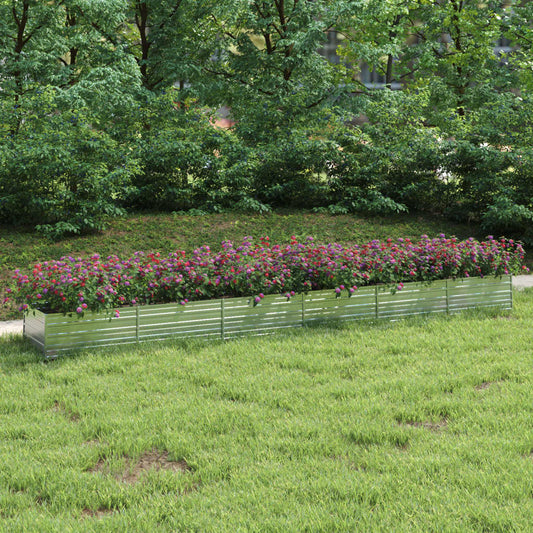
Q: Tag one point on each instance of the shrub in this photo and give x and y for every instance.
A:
(176, 146)
(59, 173)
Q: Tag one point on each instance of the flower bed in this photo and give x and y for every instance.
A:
(255, 272)
(75, 285)
(225, 318)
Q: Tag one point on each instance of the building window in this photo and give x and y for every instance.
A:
(502, 48)
(329, 49)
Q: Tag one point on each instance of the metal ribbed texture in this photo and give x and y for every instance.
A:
(231, 317)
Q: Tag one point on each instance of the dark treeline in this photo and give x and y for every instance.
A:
(110, 106)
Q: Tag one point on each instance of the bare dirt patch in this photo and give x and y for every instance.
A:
(100, 466)
(486, 385)
(96, 513)
(152, 460)
(432, 426)
(66, 412)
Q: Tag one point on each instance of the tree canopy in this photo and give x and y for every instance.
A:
(108, 105)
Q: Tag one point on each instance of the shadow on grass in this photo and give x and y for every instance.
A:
(140, 351)
(17, 353)
(386, 324)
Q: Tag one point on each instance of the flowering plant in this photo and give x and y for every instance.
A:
(75, 285)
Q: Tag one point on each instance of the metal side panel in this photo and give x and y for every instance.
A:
(34, 328)
(230, 317)
(480, 292)
(273, 312)
(196, 319)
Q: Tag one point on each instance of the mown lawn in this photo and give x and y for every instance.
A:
(169, 232)
(419, 425)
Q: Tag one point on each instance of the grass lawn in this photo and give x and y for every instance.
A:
(420, 425)
(168, 233)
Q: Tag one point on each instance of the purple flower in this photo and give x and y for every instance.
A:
(249, 268)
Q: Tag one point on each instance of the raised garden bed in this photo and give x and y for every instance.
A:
(226, 318)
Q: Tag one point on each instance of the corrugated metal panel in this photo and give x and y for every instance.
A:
(196, 319)
(274, 312)
(34, 328)
(230, 317)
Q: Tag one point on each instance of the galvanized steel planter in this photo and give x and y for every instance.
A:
(231, 317)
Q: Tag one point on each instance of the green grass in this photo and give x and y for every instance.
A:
(420, 425)
(167, 232)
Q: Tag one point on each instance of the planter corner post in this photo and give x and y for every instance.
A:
(137, 324)
(222, 319)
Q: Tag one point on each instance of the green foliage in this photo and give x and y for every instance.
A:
(455, 138)
(289, 171)
(177, 149)
(508, 217)
(266, 64)
(59, 173)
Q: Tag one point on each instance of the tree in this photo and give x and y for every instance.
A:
(266, 64)
(162, 36)
(457, 137)
(60, 85)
